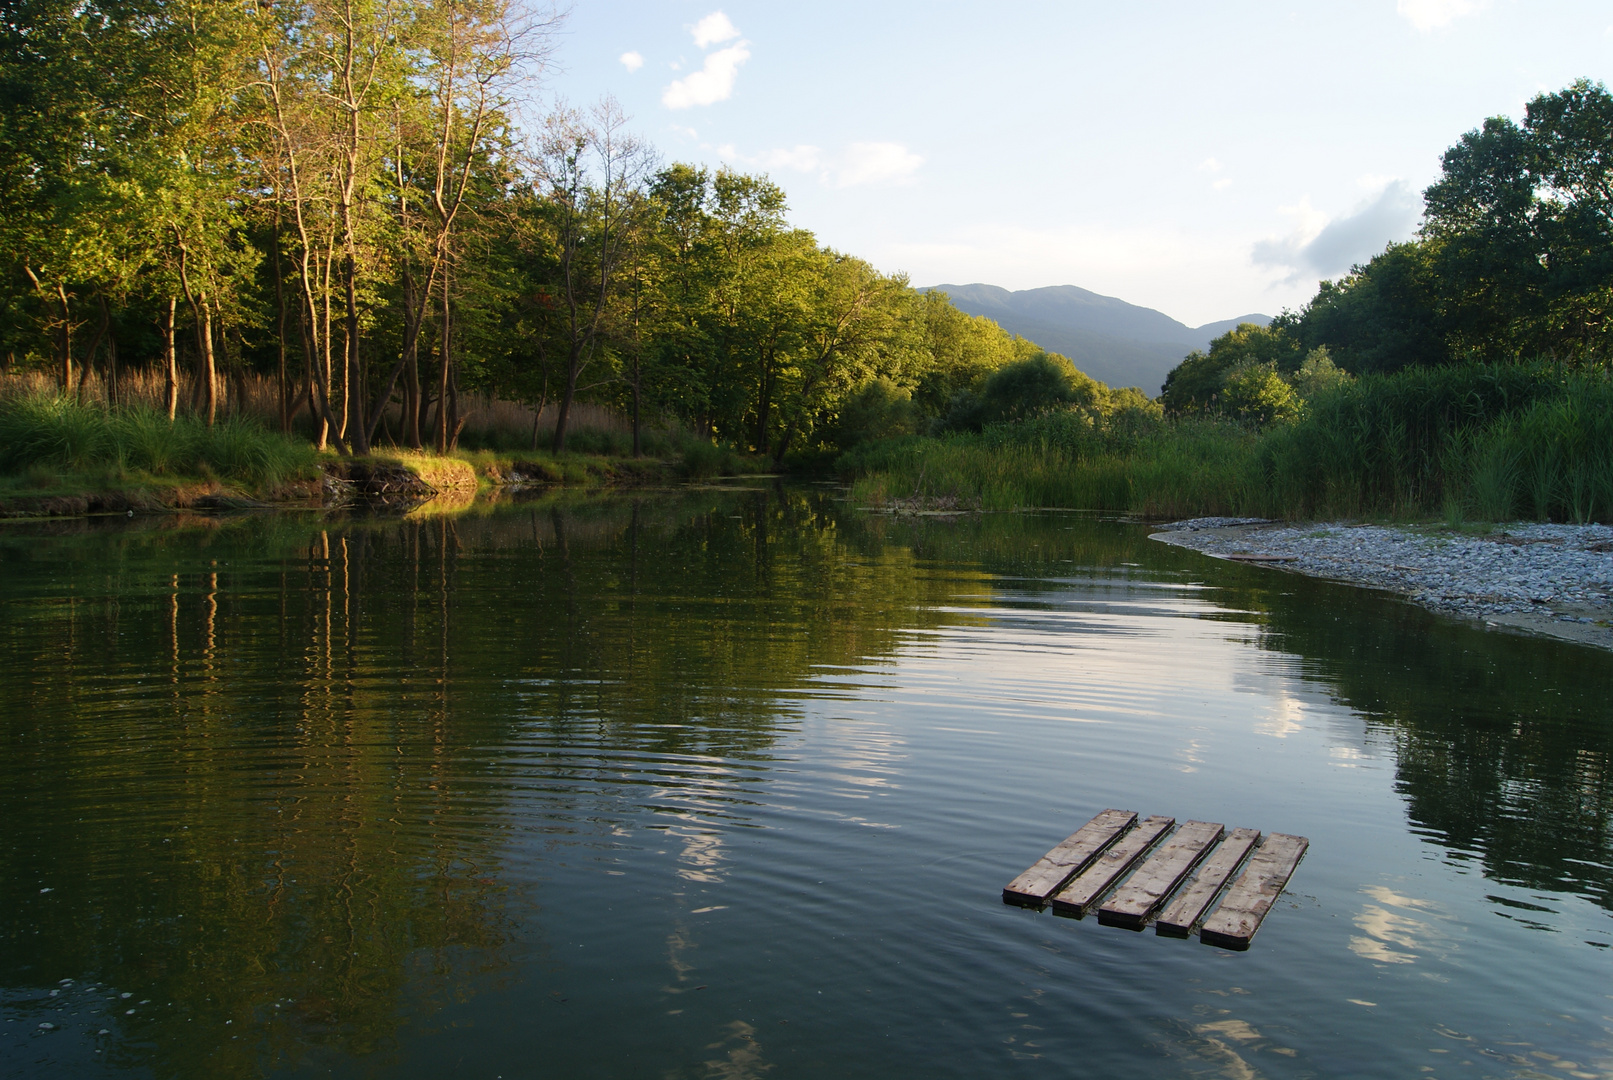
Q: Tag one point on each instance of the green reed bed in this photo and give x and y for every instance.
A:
(1067, 460)
(42, 435)
(1476, 441)
(1484, 441)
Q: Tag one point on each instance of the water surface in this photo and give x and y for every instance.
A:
(727, 784)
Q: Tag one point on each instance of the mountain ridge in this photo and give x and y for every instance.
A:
(1112, 340)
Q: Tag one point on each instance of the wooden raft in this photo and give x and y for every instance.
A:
(1133, 873)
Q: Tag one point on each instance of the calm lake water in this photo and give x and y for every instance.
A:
(727, 783)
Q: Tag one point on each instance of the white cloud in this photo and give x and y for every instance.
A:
(713, 30)
(1432, 14)
(1209, 165)
(859, 164)
(797, 159)
(632, 61)
(1320, 247)
(876, 163)
(1222, 184)
(712, 83)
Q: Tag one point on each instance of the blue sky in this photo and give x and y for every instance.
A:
(1207, 160)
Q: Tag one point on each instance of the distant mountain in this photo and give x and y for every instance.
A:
(1115, 342)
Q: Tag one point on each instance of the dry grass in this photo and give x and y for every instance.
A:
(496, 424)
(251, 397)
(491, 423)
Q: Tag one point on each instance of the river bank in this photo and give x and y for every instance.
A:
(331, 481)
(1526, 576)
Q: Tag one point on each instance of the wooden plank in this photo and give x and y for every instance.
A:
(1192, 902)
(1234, 922)
(1034, 886)
(1089, 885)
(1144, 891)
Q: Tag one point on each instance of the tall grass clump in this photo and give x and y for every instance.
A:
(1551, 461)
(1495, 441)
(1398, 443)
(49, 431)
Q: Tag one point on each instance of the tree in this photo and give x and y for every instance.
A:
(1386, 315)
(592, 172)
(1036, 385)
(849, 333)
(1199, 381)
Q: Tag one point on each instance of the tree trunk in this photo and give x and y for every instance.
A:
(443, 380)
(638, 379)
(170, 374)
(358, 434)
(111, 355)
(410, 418)
(95, 343)
(66, 339)
(457, 422)
(764, 413)
(209, 364)
(562, 419)
(283, 386)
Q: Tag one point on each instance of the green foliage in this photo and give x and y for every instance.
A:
(1246, 375)
(1318, 374)
(330, 194)
(1395, 443)
(1380, 317)
(1068, 459)
(879, 409)
(1033, 386)
(1256, 394)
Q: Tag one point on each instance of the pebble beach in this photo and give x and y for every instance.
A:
(1522, 576)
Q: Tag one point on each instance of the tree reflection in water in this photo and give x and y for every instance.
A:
(267, 769)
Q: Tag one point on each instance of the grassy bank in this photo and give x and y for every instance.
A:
(59, 455)
(1476, 441)
(54, 448)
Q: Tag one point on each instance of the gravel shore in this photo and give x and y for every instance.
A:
(1546, 579)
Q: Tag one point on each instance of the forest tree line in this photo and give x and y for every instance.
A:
(1514, 261)
(345, 196)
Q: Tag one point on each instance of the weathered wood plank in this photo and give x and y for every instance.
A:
(1234, 922)
(1034, 886)
(1144, 891)
(1193, 901)
(1089, 885)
